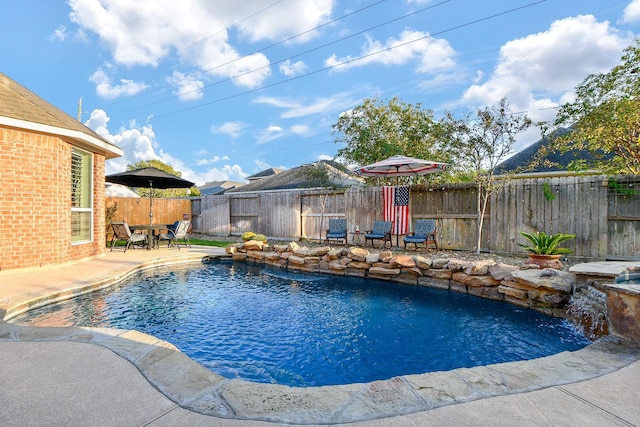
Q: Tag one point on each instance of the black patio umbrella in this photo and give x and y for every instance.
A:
(149, 178)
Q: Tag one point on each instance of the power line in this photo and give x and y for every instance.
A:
(286, 40)
(457, 27)
(299, 54)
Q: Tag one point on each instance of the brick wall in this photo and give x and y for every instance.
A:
(35, 201)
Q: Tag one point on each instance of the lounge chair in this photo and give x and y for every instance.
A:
(424, 231)
(173, 234)
(337, 230)
(381, 231)
(121, 231)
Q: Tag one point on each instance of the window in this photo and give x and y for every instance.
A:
(81, 196)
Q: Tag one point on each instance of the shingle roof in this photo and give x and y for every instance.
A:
(265, 173)
(20, 107)
(219, 187)
(299, 177)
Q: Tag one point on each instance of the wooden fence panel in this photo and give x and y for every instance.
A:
(211, 215)
(623, 203)
(604, 224)
(136, 210)
(279, 215)
(315, 211)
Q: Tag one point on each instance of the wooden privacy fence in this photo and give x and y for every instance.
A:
(136, 210)
(603, 213)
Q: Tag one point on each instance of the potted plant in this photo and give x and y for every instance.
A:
(543, 248)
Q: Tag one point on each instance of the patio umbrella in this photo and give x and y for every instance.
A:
(149, 178)
(397, 166)
(400, 166)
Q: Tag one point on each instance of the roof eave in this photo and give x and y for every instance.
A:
(87, 141)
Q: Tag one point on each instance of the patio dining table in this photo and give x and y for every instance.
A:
(152, 232)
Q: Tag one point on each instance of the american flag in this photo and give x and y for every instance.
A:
(396, 202)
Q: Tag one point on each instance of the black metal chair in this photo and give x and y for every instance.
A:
(122, 232)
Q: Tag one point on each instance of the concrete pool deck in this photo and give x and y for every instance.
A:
(82, 376)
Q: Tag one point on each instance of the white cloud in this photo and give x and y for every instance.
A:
(431, 54)
(59, 33)
(536, 71)
(139, 143)
(324, 157)
(301, 130)
(107, 90)
(296, 109)
(291, 69)
(271, 133)
(188, 87)
(631, 13)
(145, 33)
(233, 129)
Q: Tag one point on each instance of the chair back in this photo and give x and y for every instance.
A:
(121, 230)
(424, 227)
(382, 227)
(337, 225)
(182, 229)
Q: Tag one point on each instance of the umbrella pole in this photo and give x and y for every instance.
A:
(150, 202)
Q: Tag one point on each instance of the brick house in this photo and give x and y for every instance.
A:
(51, 183)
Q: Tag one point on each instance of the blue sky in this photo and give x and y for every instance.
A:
(223, 89)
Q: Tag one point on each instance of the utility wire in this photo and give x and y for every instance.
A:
(457, 27)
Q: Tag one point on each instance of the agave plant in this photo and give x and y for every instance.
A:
(545, 244)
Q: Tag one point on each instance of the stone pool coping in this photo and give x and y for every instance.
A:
(194, 387)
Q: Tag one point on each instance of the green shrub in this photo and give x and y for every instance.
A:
(248, 235)
(260, 237)
(545, 244)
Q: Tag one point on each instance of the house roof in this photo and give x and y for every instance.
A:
(22, 109)
(219, 187)
(299, 177)
(554, 161)
(265, 173)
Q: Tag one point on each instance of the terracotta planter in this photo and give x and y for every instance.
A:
(546, 261)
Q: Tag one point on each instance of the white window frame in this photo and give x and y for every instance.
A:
(86, 168)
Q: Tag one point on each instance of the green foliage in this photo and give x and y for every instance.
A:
(260, 238)
(548, 192)
(604, 119)
(375, 131)
(545, 244)
(248, 235)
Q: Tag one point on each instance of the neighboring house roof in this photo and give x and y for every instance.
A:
(299, 177)
(219, 187)
(265, 173)
(555, 162)
(117, 190)
(22, 109)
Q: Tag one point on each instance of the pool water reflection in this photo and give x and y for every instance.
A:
(269, 325)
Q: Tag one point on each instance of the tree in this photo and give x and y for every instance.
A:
(604, 119)
(374, 131)
(157, 193)
(481, 143)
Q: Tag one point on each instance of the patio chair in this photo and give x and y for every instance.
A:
(122, 232)
(381, 231)
(173, 234)
(424, 231)
(174, 226)
(337, 230)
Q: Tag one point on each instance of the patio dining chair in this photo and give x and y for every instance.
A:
(381, 231)
(122, 232)
(337, 230)
(424, 231)
(173, 234)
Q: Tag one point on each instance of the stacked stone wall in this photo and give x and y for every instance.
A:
(544, 290)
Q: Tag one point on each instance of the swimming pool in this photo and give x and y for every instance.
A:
(269, 325)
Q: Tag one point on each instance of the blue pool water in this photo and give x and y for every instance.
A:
(269, 325)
